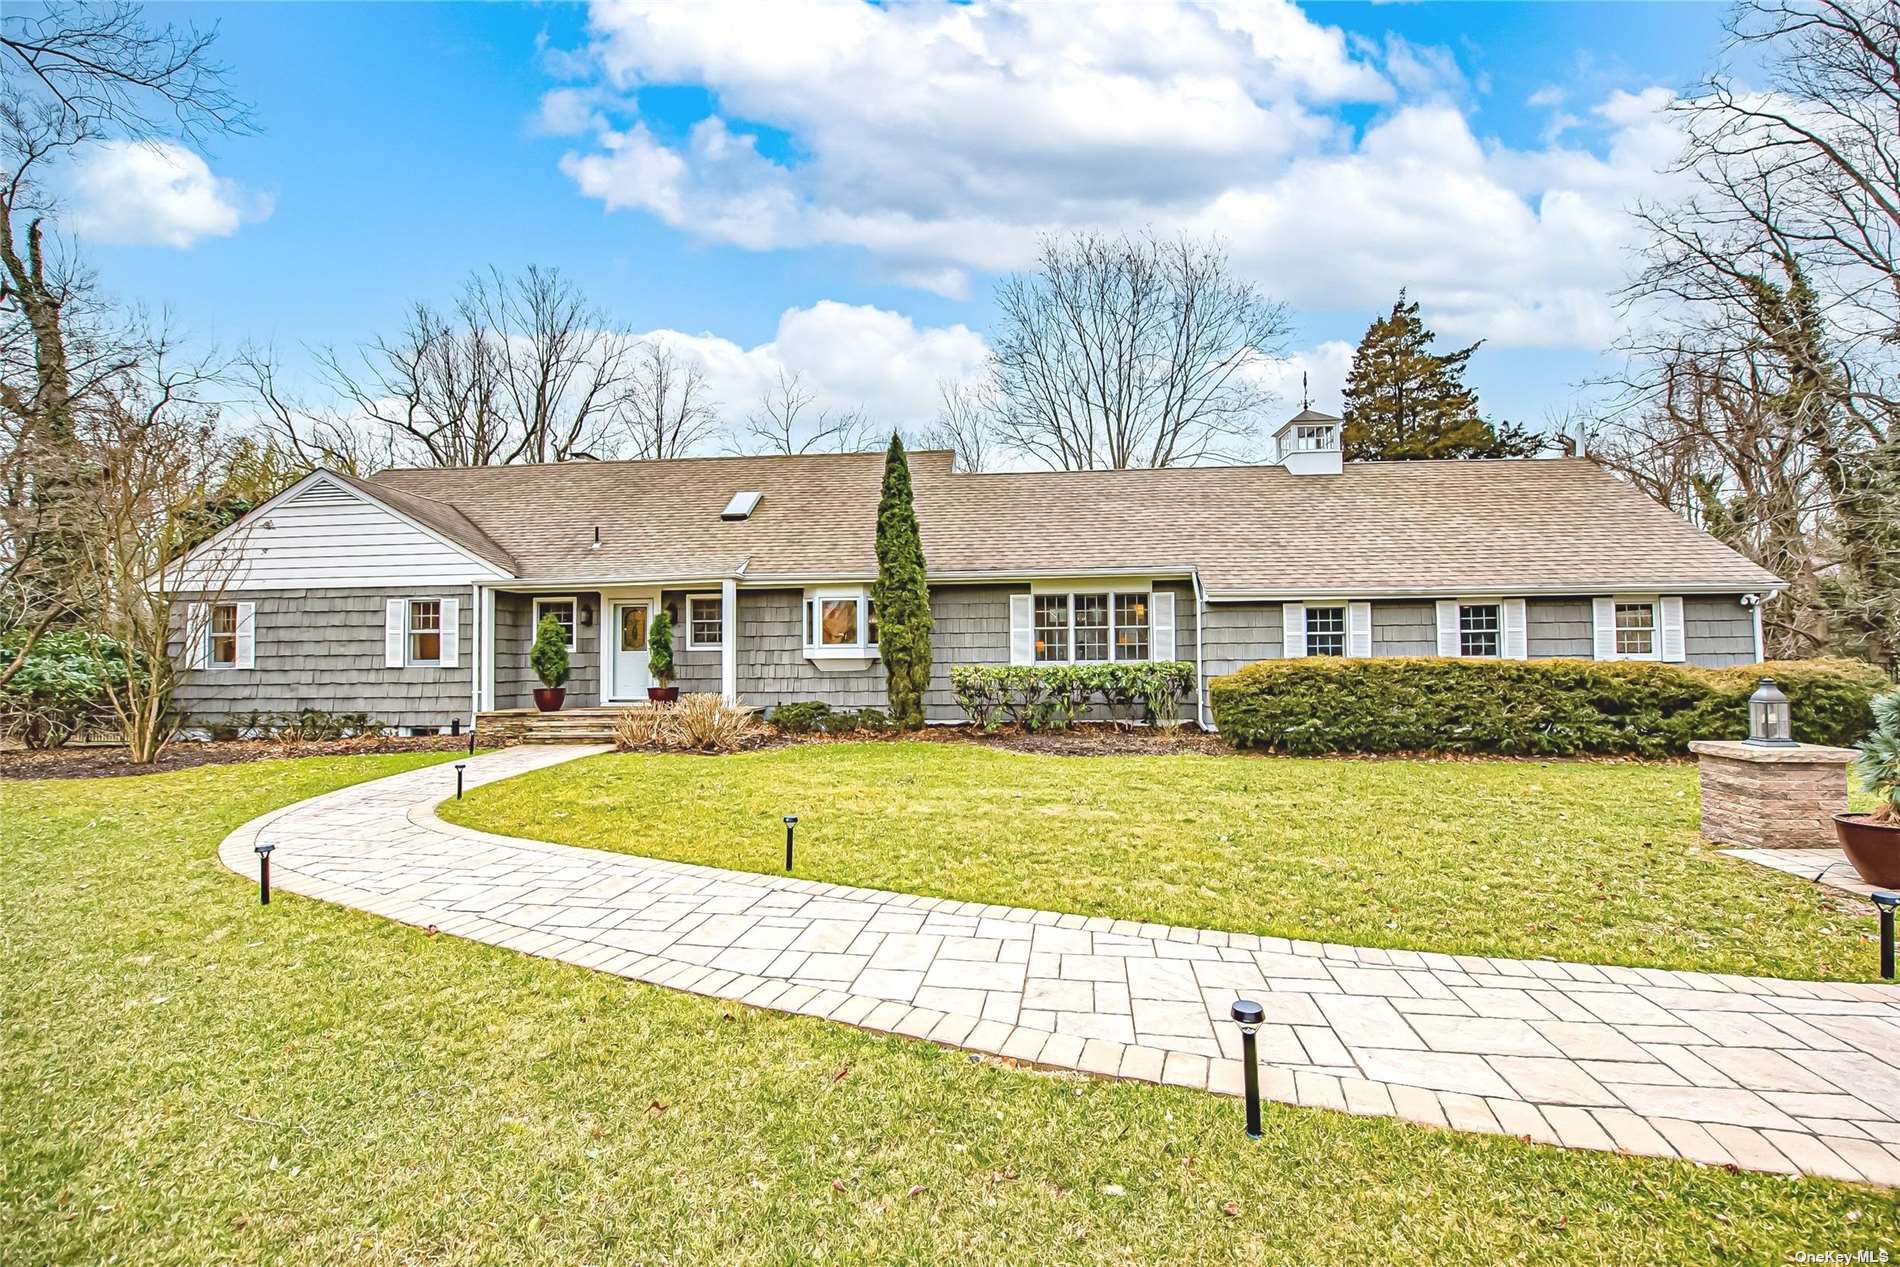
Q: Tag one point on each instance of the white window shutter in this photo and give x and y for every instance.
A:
(197, 622)
(1161, 626)
(1022, 629)
(246, 635)
(1448, 627)
(1293, 630)
(1359, 630)
(394, 620)
(452, 630)
(1603, 613)
(1516, 630)
(1669, 616)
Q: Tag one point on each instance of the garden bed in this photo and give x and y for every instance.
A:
(97, 761)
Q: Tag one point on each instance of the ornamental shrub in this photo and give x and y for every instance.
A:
(901, 594)
(660, 648)
(1526, 707)
(60, 688)
(1053, 696)
(1879, 765)
(548, 656)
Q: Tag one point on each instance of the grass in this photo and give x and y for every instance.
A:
(1596, 862)
(193, 1079)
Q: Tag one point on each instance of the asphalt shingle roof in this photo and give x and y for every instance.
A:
(1377, 528)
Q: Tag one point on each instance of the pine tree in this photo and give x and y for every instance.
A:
(1405, 401)
(902, 593)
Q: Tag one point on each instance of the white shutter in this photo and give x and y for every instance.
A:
(395, 612)
(452, 631)
(1293, 630)
(1448, 627)
(246, 635)
(1603, 612)
(1516, 630)
(1022, 629)
(197, 621)
(1359, 630)
(1161, 626)
(1669, 616)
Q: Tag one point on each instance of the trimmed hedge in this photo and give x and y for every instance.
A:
(1527, 707)
(1051, 696)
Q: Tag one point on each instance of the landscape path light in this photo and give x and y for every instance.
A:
(1249, 1015)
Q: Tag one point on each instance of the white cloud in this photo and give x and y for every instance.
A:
(845, 355)
(1319, 372)
(944, 138)
(155, 194)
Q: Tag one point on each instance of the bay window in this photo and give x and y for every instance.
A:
(840, 623)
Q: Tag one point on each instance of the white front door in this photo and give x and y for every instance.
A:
(631, 675)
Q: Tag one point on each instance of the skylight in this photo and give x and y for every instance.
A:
(741, 506)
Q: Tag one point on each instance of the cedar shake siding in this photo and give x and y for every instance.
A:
(323, 649)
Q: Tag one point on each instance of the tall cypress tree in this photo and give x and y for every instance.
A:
(902, 593)
(1405, 401)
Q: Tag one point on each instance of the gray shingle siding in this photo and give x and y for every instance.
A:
(772, 667)
(1558, 627)
(694, 672)
(323, 649)
(1718, 632)
(1400, 629)
(1239, 634)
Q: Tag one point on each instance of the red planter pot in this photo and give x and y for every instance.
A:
(662, 694)
(1873, 848)
(549, 698)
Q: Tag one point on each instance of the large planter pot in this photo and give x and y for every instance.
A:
(1873, 848)
(662, 694)
(549, 698)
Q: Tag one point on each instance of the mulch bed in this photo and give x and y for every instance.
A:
(93, 762)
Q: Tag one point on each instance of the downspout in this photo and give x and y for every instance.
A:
(480, 652)
(1754, 602)
(1200, 661)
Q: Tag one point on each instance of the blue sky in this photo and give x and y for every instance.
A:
(703, 177)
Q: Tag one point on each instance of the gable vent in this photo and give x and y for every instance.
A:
(321, 494)
(741, 506)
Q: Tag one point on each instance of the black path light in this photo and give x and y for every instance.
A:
(263, 874)
(1249, 1015)
(791, 825)
(459, 767)
(471, 741)
(1885, 902)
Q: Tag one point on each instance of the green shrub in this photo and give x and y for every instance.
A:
(1052, 696)
(60, 689)
(548, 657)
(660, 647)
(1879, 764)
(802, 717)
(1526, 707)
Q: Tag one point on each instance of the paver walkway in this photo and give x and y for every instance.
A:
(1793, 1076)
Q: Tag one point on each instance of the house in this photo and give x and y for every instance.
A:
(413, 595)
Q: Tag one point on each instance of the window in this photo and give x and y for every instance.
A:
(562, 609)
(1479, 626)
(633, 627)
(425, 631)
(1052, 628)
(840, 623)
(1312, 439)
(221, 639)
(1091, 627)
(1131, 627)
(1326, 631)
(705, 623)
(1636, 629)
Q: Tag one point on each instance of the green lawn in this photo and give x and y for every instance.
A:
(1597, 862)
(192, 1079)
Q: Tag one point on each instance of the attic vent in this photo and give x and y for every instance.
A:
(741, 506)
(321, 495)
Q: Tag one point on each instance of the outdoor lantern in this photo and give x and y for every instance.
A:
(587, 613)
(1769, 725)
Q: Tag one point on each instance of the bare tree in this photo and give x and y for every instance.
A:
(524, 369)
(785, 423)
(313, 435)
(72, 75)
(1132, 351)
(964, 424)
(668, 409)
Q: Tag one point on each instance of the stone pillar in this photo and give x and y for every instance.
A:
(1771, 798)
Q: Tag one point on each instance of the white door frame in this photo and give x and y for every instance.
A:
(610, 644)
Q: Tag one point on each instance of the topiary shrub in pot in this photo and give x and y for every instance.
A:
(1872, 841)
(548, 659)
(660, 659)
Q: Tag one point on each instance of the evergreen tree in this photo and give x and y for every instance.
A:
(902, 593)
(1405, 401)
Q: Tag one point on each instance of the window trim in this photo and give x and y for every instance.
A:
(573, 625)
(1345, 628)
(865, 648)
(211, 636)
(717, 601)
(409, 634)
(1654, 603)
(1111, 594)
(1497, 633)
